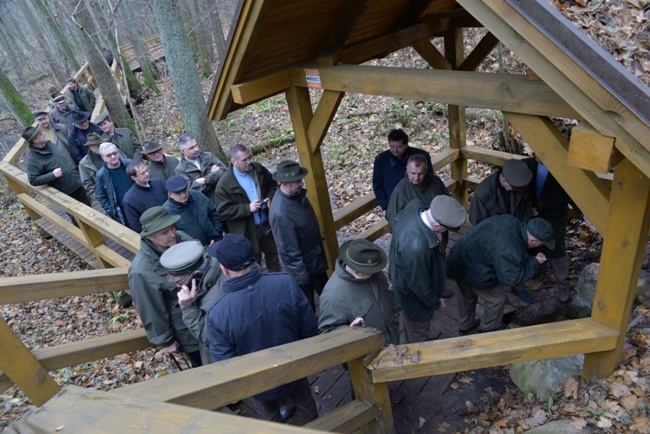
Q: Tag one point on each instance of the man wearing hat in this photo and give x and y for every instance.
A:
(80, 96)
(155, 298)
(490, 257)
(77, 138)
(243, 196)
(503, 192)
(198, 215)
(202, 169)
(161, 166)
(146, 192)
(46, 165)
(55, 133)
(61, 112)
(418, 266)
(259, 311)
(123, 138)
(112, 182)
(296, 230)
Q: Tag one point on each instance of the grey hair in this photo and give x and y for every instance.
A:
(105, 146)
(184, 139)
(236, 149)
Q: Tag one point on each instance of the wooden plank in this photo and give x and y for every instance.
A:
(258, 88)
(489, 156)
(375, 394)
(80, 410)
(349, 213)
(494, 349)
(335, 39)
(110, 256)
(53, 217)
(592, 151)
(215, 385)
(479, 53)
(375, 231)
(431, 55)
(347, 418)
(22, 289)
(23, 369)
(323, 115)
(506, 92)
(623, 249)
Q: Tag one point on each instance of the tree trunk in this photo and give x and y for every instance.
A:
(102, 73)
(11, 55)
(191, 36)
(15, 101)
(186, 80)
(217, 29)
(62, 41)
(149, 71)
(201, 28)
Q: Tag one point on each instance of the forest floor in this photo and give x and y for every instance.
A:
(478, 401)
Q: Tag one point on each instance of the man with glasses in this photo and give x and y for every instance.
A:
(145, 193)
(112, 181)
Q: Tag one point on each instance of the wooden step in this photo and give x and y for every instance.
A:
(347, 418)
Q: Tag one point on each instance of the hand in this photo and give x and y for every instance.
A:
(186, 295)
(255, 205)
(541, 258)
(443, 304)
(58, 172)
(200, 181)
(214, 168)
(173, 348)
(358, 322)
(268, 202)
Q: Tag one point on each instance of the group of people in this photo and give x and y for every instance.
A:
(197, 281)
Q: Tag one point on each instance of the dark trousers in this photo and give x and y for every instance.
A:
(81, 196)
(306, 410)
(267, 246)
(316, 284)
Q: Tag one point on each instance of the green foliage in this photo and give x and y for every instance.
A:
(15, 101)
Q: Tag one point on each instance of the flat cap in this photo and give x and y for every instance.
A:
(447, 211)
(543, 231)
(101, 117)
(176, 183)
(517, 173)
(234, 252)
(183, 258)
(39, 113)
(59, 99)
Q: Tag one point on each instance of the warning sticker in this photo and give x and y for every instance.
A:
(313, 79)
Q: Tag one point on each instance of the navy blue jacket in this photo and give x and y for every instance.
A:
(259, 311)
(139, 199)
(77, 141)
(389, 170)
(199, 218)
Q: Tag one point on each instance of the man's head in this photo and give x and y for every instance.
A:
(447, 213)
(241, 158)
(42, 118)
(290, 176)
(81, 119)
(362, 258)
(154, 151)
(72, 84)
(398, 142)
(515, 175)
(138, 172)
(540, 232)
(93, 142)
(189, 148)
(183, 261)
(53, 91)
(178, 189)
(104, 122)
(60, 102)
(417, 169)
(158, 227)
(109, 153)
(234, 253)
(34, 136)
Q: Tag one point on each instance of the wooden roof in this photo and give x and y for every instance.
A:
(273, 41)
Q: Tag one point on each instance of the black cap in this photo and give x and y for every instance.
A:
(234, 252)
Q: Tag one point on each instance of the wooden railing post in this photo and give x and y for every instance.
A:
(374, 393)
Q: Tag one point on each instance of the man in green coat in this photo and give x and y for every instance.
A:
(491, 257)
(123, 138)
(80, 96)
(418, 266)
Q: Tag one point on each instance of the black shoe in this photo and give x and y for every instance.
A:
(395, 396)
(125, 300)
(475, 326)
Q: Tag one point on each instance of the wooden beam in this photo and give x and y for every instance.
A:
(488, 156)
(375, 231)
(218, 384)
(325, 111)
(623, 249)
(431, 55)
(23, 369)
(376, 394)
(347, 418)
(480, 351)
(411, 14)
(506, 92)
(309, 152)
(43, 211)
(22, 289)
(479, 53)
(592, 151)
(333, 43)
(259, 88)
(585, 188)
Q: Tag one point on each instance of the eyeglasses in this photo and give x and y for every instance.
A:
(112, 154)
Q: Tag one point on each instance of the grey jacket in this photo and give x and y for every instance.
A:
(88, 168)
(164, 170)
(190, 172)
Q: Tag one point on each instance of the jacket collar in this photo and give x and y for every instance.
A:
(242, 282)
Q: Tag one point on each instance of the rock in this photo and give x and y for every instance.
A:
(538, 313)
(643, 288)
(544, 377)
(562, 426)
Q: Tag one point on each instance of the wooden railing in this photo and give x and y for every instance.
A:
(151, 43)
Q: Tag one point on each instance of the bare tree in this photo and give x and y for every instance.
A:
(61, 40)
(149, 71)
(15, 101)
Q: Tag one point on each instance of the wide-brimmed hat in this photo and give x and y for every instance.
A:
(30, 133)
(53, 90)
(58, 99)
(363, 256)
(79, 116)
(517, 173)
(234, 252)
(101, 117)
(543, 231)
(289, 171)
(447, 211)
(39, 113)
(181, 259)
(151, 146)
(156, 219)
(176, 183)
(94, 139)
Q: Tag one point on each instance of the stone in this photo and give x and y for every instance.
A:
(643, 288)
(562, 426)
(539, 312)
(543, 378)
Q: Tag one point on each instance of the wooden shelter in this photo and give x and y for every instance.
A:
(290, 46)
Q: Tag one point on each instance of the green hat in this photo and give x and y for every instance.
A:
(447, 211)
(30, 133)
(94, 139)
(151, 146)
(289, 171)
(543, 231)
(363, 256)
(156, 219)
(101, 117)
(53, 90)
(182, 258)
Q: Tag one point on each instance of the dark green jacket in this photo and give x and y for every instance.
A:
(126, 142)
(164, 170)
(41, 164)
(488, 201)
(86, 95)
(417, 264)
(190, 172)
(493, 253)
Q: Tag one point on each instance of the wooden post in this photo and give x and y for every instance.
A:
(374, 393)
(623, 247)
(309, 130)
(22, 368)
(456, 116)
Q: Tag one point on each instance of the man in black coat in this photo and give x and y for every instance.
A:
(145, 193)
